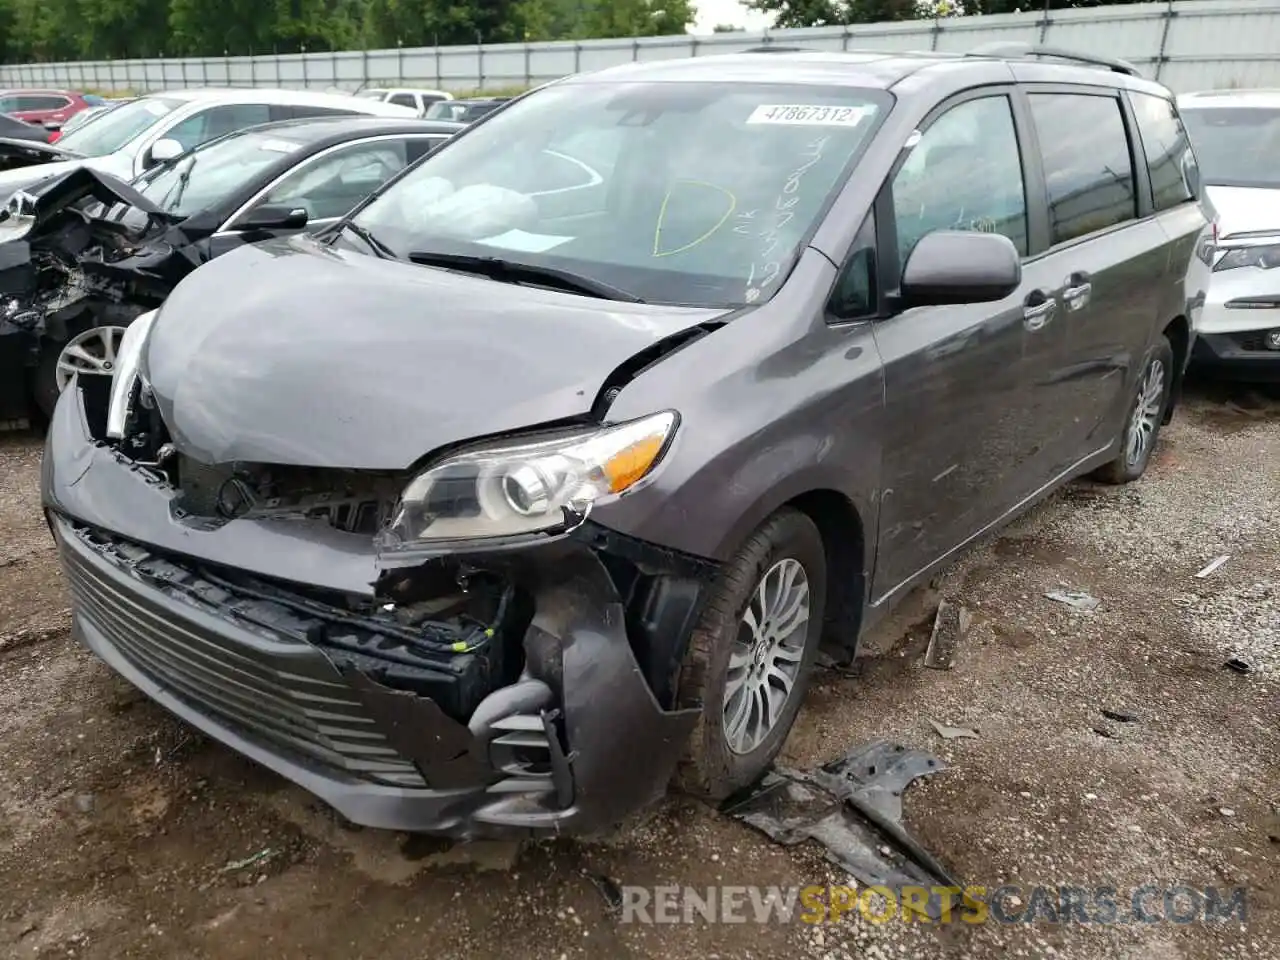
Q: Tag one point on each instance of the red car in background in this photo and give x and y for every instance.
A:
(49, 108)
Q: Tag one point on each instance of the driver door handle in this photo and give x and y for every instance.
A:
(1078, 291)
(1037, 312)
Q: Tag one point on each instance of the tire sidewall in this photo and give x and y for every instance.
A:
(795, 537)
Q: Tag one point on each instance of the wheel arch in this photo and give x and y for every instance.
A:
(843, 524)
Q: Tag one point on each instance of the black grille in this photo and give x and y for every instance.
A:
(1255, 340)
(277, 691)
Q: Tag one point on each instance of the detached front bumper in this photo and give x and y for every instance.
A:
(576, 742)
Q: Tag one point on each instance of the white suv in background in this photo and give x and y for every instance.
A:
(413, 98)
(143, 132)
(1236, 138)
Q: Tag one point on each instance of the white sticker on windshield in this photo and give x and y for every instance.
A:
(524, 242)
(809, 115)
(279, 146)
(156, 107)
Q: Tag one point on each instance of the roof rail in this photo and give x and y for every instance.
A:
(774, 48)
(1015, 49)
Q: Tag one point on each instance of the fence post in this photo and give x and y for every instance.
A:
(528, 67)
(635, 49)
(480, 59)
(399, 61)
(303, 48)
(844, 39)
(936, 32)
(577, 57)
(253, 69)
(1045, 23)
(1162, 57)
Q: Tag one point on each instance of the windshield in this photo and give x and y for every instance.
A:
(1235, 146)
(115, 128)
(690, 193)
(372, 94)
(445, 110)
(209, 174)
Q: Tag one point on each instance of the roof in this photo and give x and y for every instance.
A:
(340, 101)
(874, 69)
(1230, 98)
(323, 130)
(39, 91)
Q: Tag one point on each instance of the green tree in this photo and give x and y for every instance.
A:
(818, 13)
(638, 18)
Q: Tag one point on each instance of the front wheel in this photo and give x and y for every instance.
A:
(751, 655)
(91, 353)
(1145, 415)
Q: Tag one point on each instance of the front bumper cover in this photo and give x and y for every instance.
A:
(575, 744)
(1241, 355)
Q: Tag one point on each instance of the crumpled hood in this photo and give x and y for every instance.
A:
(298, 353)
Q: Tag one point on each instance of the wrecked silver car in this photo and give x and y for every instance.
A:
(82, 254)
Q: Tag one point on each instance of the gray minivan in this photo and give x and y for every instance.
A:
(541, 478)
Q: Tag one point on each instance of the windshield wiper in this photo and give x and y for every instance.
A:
(379, 248)
(174, 196)
(496, 268)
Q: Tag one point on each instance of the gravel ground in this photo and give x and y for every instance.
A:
(125, 834)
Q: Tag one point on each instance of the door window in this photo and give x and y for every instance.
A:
(1168, 150)
(42, 102)
(964, 174)
(1088, 165)
(333, 184)
(216, 121)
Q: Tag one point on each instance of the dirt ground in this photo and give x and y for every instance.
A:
(123, 833)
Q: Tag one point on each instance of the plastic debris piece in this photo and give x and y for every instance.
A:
(953, 733)
(1213, 565)
(1120, 716)
(1239, 666)
(1076, 599)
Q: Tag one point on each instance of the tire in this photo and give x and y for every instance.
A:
(1145, 413)
(711, 768)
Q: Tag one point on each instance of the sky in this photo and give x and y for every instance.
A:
(711, 12)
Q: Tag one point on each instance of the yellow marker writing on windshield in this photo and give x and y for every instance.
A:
(662, 215)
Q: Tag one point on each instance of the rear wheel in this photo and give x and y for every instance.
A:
(1146, 413)
(751, 655)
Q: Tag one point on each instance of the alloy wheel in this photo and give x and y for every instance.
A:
(765, 659)
(1146, 414)
(92, 352)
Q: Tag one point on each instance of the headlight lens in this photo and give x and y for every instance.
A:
(1264, 257)
(511, 489)
(128, 358)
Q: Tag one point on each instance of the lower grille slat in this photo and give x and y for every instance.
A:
(282, 693)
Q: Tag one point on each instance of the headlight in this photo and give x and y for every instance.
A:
(128, 357)
(1264, 257)
(510, 489)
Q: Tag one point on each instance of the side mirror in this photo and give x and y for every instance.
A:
(164, 150)
(960, 266)
(52, 125)
(273, 217)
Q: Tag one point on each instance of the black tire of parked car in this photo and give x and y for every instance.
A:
(1120, 470)
(44, 380)
(709, 768)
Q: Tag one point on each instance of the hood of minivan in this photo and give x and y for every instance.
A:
(295, 352)
(1245, 209)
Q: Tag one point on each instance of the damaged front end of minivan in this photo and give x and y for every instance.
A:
(520, 685)
(77, 251)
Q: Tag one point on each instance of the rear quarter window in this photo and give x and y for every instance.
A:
(1170, 160)
(1088, 165)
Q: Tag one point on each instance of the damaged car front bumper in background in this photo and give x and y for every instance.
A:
(488, 692)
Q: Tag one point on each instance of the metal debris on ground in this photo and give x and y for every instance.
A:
(1076, 599)
(853, 807)
(949, 627)
(1213, 565)
(1106, 732)
(1239, 666)
(952, 733)
(260, 857)
(608, 888)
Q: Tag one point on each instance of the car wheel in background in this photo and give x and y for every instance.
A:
(751, 655)
(91, 352)
(1142, 422)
